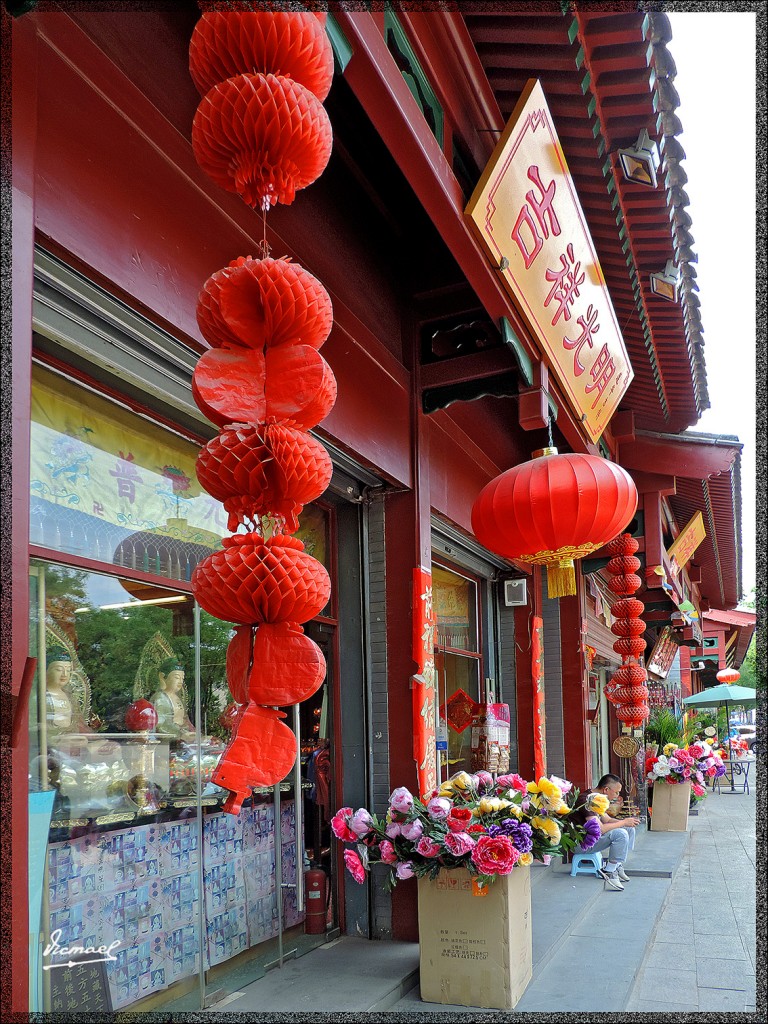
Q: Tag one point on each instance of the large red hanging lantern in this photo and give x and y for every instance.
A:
(262, 137)
(728, 675)
(553, 510)
(261, 131)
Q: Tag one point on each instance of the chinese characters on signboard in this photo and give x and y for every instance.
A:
(526, 213)
(687, 541)
(663, 654)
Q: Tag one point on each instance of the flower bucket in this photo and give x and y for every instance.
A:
(475, 946)
(670, 807)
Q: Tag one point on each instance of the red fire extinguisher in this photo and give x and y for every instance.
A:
(315, 901)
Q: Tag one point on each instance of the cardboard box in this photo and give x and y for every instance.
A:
(475, 950)
(670, 807)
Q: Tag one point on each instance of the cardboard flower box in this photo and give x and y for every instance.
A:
(670, 807)
(475, 950)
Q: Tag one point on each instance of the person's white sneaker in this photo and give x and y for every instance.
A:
(611, 879)
(622, 873)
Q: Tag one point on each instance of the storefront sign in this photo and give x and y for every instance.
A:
(687, 541)
(423, 682)
(539, 716)
(527, 214)
(663, 654)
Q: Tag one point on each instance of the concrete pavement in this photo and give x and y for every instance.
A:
(681, 937)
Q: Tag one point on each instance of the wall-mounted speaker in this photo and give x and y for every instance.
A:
(515, 593)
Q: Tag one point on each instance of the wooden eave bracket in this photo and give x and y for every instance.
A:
(536, 406)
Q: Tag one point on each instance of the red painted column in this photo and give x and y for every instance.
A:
(576, 743)
(14, 854)
(524, 675)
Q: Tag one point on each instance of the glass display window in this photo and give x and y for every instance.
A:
(458, 662)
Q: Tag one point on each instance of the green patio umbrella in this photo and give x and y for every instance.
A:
(722, 696)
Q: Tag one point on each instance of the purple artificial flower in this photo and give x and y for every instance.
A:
(719, 770)
(591, 833)
(404, 869)
(393, 830)
(521, 834)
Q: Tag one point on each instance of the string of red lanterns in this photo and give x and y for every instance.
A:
(261, 131)
(627, 688)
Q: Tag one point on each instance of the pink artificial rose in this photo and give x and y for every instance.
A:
(483, 780)
(512, 782)
(711, 772)
(563, 784)
(354, 866)
(387, 852)
(686, 773)
(459, 843)
(696, 751)
(361, 822)
(340, 827)
(699, 777)
(494, 856)
(459, 819)
(412, 830)
(427, 848)
(401, 800)
(439, 808)
(404, 869)
(698, 790)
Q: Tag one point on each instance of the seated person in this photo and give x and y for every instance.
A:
(616, 834)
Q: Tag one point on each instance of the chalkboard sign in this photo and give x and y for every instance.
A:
(81, 988)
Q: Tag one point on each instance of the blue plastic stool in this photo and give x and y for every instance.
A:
(586, 863)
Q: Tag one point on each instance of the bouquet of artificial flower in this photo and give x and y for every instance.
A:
(488, 826)
(693, 764)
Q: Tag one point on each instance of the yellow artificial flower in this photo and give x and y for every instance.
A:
(525, 859)
(598, 803)
(548, 827)
(460, 781)
(669, 747)
(551, 791)
(560, 808)
(514, 810)
(532, 788)
(535, 801)
(489, 804)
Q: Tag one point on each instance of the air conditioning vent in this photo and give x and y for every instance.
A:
(515, 593)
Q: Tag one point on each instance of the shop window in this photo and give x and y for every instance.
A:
(108, 486)
(458, 663)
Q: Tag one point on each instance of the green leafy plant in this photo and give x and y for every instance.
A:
(663, 727)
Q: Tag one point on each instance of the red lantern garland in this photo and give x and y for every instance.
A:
(627, 689)
(261, 131)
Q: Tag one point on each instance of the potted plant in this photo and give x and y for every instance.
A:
(474, 837)
(660, 729)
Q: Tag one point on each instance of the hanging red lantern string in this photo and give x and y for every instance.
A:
(627, 689)
(553, 510)
(261, 131)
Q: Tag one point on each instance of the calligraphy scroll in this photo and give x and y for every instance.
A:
(539, 713)
(423, 682)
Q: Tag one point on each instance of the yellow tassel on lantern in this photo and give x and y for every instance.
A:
(561, 579)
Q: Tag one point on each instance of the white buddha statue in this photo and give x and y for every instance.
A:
(172, 717)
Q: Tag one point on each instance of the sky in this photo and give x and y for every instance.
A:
(716, 81)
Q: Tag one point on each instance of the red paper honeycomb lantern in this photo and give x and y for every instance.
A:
(624, 544)
(625, 584)
(628, 608)
(628, 627)
(262, 137)
(630, 694)
(261, 753)
(623, 564)
(288, 666)
(292, 44)
(251, 580)
(631, 646)
(264, 302)
(633, 715)
(629, 675)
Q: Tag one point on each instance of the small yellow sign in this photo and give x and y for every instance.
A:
(527, 215)
(688, 540)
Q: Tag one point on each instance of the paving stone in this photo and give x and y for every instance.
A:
(637, 1005)
(722, 947)
(718, 973)
(713, 999)
(715, 918)
(656, 980)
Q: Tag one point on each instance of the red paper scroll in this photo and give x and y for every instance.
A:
(424, 626)
(539, 713)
